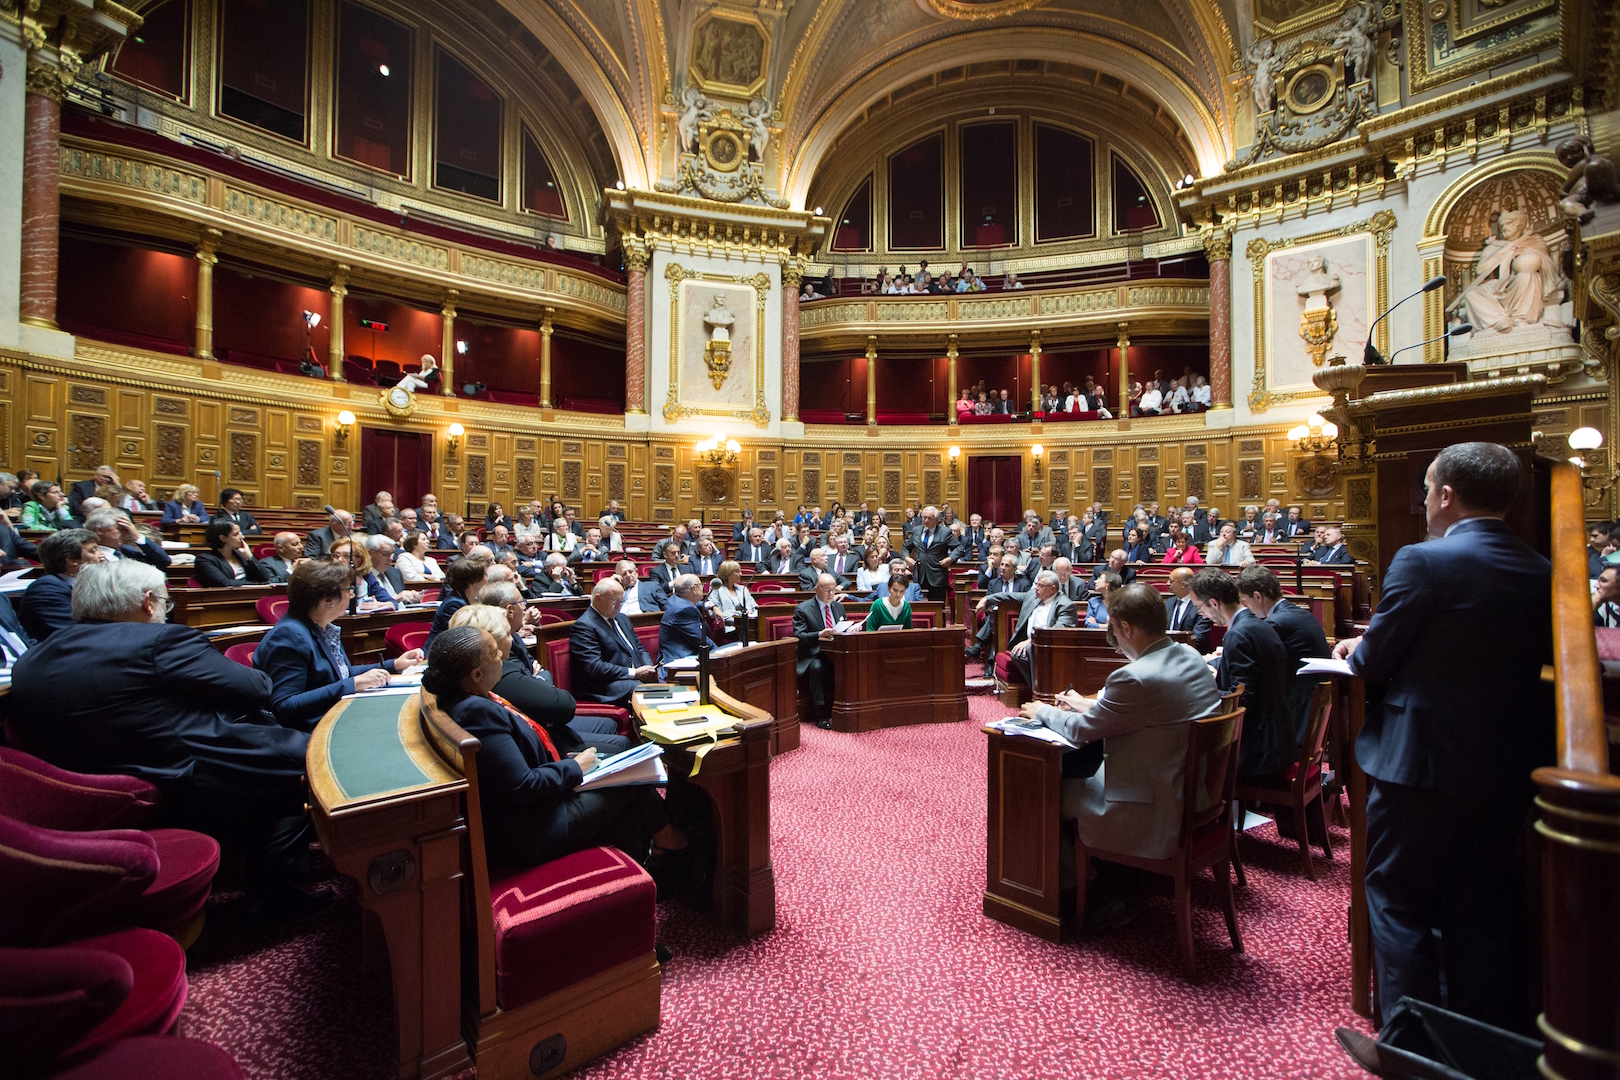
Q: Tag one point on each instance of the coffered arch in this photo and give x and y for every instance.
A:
(1157, 82)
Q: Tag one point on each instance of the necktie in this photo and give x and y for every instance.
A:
(545, 739)
(826, 615)
(620, 631)
(1228, 559)
(1181, 610)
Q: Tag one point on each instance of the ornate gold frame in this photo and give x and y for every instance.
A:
(1420, 77)
(677, 276)
(1382, 227)
(734, 89)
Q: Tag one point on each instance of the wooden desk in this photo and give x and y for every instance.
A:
(204, 608)
(765, 676)
(889, 678)
(736, 777)
(389, 813)
(1062, 657)
(1023, 831)
(364, 636)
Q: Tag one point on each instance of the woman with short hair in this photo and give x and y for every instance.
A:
(461, 584)
(561, 537)
(526, 525)
(526, 785)
(729, 597)
(185, 508)
(303, 653)
(414, 563)
(1183, 551)
(873, 573)
(228, 562)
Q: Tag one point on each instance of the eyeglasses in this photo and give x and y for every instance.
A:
(168, 605)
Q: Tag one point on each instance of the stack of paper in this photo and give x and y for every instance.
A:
(638, 765)
(1014, 725)
(1325, 665)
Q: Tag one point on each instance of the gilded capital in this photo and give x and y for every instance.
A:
(1217, 244)
(792, 274)
(635, 256)
(62, 36)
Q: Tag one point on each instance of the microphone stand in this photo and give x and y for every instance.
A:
(1456, 331)
(703, 670)
(1370, 354)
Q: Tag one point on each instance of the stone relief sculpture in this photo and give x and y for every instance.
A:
(1517, 282)
(1355, 41)
(1263, 83)
(759, 135)
(695, 110)
(717, 353)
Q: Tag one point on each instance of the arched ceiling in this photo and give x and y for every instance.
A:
(829, 60)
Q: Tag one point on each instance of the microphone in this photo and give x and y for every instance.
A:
(1456, 331)
(329, 511)
(1370, 354)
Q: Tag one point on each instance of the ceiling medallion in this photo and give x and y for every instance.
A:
(977, 9)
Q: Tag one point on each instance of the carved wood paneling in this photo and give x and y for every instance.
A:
(664, 484)
(309, 463)
(170, 459)
(933, 494)
(767, 485)
(1249, 479)
(87, 395)
(1147, 482)
(812, 483)
(244, 458)
(1197, 479)
(891, 485)
(852, 483)
(477, 474)
(525, 479)
(616, 475)
(571, 471)
(1059, 481)
(1102, 482)
(87, 442)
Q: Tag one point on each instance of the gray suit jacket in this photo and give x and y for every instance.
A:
(1132, 804)
(1067, 613)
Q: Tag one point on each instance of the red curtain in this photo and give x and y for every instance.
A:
(996, 489)
(398, 462)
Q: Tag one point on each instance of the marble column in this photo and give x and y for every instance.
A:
(1124, 344)
(41, 194)
(545, 358)
(447, 348)
(792, 276)
(871, 380)
(207, 259)
(635, 331)
(1218, 248)
(1034, 372)
(950, 355)
(334, 325)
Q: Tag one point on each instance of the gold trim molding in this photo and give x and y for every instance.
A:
(760, 284)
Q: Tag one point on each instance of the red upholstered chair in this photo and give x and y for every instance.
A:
(555, 660)
(242, 652)
(57, 886)
(601, 572)
(921, 619)
(271, 608)
(38, 793)
(405, 636)
(1206, 832)
(1300, 785)
(155, 1056)
(431, 594)
(649, 639)
(61, 1007)
(550, 618)
(195, 583)
(263, 551)
(778, 627)
(770, 586)
(560, 960)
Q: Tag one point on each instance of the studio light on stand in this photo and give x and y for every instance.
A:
(309, 365)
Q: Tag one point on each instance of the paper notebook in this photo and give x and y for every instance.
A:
(638, 765)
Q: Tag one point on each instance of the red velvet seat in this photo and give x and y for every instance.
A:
(242, 652)
(403, 637)
(52, 998)
(271, 608)
(550, 618)
(56, 886)
(38, 793)
(556, 661)
(564, 921)
(173, 903)
(263, 551)
(157, 994)
(770, 586)
(649, 639)
(1005, 671)
(778, 627)
(157, 1057)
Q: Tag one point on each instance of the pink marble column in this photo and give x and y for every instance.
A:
(1218, 246)
(791, 277)
(635, 333)
(41, 197)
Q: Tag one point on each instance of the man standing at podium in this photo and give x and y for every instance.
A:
(813, 622)
(1463, 722)
(931, 559)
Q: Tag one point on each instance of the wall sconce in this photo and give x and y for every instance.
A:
(718, 451)
(345, 422)
(456, 432)
(1036, 451)
(955, 454)
(1313, 436)
(1585, 439)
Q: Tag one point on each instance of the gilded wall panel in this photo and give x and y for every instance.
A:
(309, 463)
(87, 445)
(477, 475)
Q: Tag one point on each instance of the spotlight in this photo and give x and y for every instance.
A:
(1189, 181)
(312, 319)
(619, 184)
(382, 69)
(461, 348)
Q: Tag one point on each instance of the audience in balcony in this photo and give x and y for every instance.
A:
(1009, 281)
(968, 281)
(1180, 397)
(427, 378)
(1151, 402)
(810, 292)
(1201, 393)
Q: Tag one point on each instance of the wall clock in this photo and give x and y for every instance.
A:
(399, 401)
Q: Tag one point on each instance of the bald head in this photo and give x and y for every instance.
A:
(1181, 581)
(688, 587)
(607, 597)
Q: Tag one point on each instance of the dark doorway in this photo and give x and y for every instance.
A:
(398, 462)
(996, 489)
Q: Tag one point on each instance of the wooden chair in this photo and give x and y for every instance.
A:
(1206, 832)
(1300, 784)
(526, 1014)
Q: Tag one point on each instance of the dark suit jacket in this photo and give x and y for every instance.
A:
(751, 554)
(522, 792)
(650, 596)
(394, 579)
(999, 407)
(536, 697)
(998, 585)
(682, 629)
(47, 606)
(663, 575)
(439, 538)
(1336, 555)
(1191, 622)
(930, 549)
(1463, 712)
(774, 563)
(1126, 575)
(809, 575)
(9, 620)
(977, 541)
(303, 682)
(147, 551)
(319, 542)
(450, 602)
(1200, 537)
(1302, 637)
(851, 563)
(739, 531)
(275, 569)
(15, 547)
(599, 658)
(244, 521)
(545, 584)
(1298, 528)
(156, 701)
(1253, 654)
(371, 519)
(705, 567)
(1066, 613)
(807, 627)
(80, 491)
(173, 511)
(214, 572)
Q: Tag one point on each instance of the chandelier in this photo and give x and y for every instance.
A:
(1313, 436)
(718, 450)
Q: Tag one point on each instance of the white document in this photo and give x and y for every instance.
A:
(1014, 725)
(1325, 665)
(685, 663)
(14, 576)
(846, 626)
(639, 764)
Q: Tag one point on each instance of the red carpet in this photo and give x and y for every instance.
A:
(882, 963)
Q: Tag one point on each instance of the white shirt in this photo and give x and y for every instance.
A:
(533, 528)
(632, 602)
(1041, 617)
(1179, 399)
(413, 569)
(1152, 399)
(1200, 394)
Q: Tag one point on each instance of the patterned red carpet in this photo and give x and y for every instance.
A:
(882, 963)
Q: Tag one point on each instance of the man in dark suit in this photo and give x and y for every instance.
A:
(753, 550)
(932, 561)
(1302, 637)
(639, 595)
(120, 539)
(812, 570)
(557, 579)
(1182, 611)
(683, 628)
(47, 604)
(672, 565)
(1333, 551)
(440, 538)
(1002, 406)
(1116, 563)
(84, 489)
(160, 702)
(705, 560)
(288, 551)
(1252, 656)
(230, 509)
(606, 658)
(379, 511)
(676, 539)
(1070, 584)
(1449, 751)
(1039, 608)
(976, 536)
(319, 542)
(1296, 525)
(13, 546)
(1007, 580)
(843, 562)
(804, 542)
(779, 561)
(382, 583)
(740, 531)
(813, 622)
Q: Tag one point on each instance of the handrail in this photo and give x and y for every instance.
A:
(1582, 739)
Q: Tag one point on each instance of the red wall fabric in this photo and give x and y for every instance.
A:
(129, 290)
(411, 331)
(584, 369)
(264, 317)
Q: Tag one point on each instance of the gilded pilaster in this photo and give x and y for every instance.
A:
(545, 358)
(792, 276)
(207, 259)
(334, 324)
(1124, 344)
(447, 347)
(635, 328)
(950, 355)
(871, 380)
(1034, 374)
